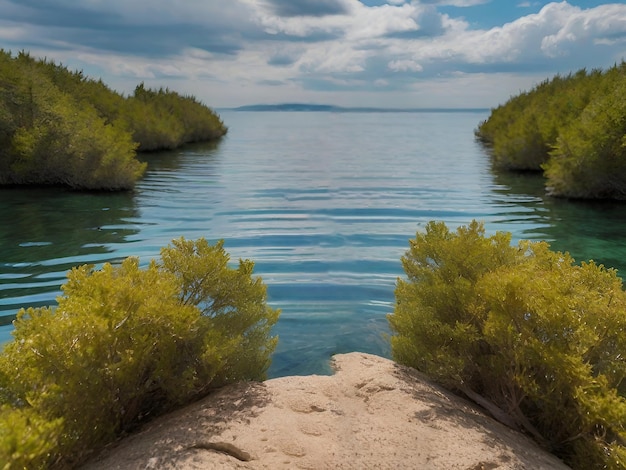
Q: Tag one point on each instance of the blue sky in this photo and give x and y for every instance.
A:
(390, 53)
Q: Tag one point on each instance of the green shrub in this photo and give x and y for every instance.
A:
(571, 128)
(27, 440)
(58, 127)
(70, 145)
(537, 340)
(232, 302)
(163, 119)
(126, 344)
(589, 158)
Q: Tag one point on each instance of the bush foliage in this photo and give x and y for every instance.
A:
(125, 344)
(571, 127)
(58, 127)
(536, 339)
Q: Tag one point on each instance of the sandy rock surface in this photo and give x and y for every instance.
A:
(371, 414)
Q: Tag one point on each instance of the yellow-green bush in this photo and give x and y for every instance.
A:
(571, 128)
(589, 157)
(537, 339)
(58, 127)
(125, 344)
(163, 119)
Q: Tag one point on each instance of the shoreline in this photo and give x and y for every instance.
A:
(371, 413)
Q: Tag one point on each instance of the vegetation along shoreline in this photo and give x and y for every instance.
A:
(61, 128)
(524, 331)
(572, 128)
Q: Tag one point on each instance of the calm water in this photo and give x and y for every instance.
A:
(324, 203)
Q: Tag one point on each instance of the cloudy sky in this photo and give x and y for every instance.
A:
(388, 53)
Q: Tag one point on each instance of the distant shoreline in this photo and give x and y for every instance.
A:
(303, 107)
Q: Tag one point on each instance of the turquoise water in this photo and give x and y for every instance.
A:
(324, 203)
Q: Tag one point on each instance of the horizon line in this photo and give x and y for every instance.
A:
(335, 108)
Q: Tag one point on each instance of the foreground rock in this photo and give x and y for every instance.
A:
(371, 414)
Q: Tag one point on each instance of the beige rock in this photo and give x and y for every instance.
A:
(371, 414)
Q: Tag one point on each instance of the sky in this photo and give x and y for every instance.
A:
(381, 53)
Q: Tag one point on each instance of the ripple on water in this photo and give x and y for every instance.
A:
(323, 203)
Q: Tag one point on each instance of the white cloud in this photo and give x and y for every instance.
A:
(363, 22)
(231, 52)
(558, 30)
(369, 23)
(405, 66)
(332, 57)
(604, 25)
(456, 3)
(12, 33)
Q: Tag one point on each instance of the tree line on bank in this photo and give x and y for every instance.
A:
(59, 127)
(573, 128)
(535, 339)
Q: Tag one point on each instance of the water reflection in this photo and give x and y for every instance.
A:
(167, 161)
(586, 229)
(324, 204)
(48, 231)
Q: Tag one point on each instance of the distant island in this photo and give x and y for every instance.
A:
(306, 107)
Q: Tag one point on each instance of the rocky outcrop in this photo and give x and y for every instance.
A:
(371, 414)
